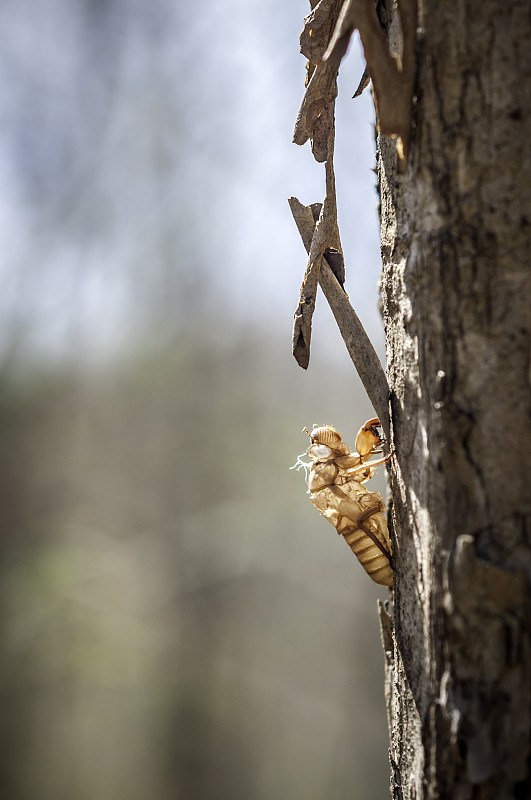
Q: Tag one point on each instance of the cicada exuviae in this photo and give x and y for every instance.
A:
(336, 486)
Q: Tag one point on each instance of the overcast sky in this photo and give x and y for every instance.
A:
(146, 156)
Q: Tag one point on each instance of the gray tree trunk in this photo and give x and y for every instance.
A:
(456, 243)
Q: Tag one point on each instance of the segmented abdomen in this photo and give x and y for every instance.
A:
(371, 558)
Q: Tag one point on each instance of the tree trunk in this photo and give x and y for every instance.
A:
(455, 238)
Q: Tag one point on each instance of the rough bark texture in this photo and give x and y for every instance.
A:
(455, 287)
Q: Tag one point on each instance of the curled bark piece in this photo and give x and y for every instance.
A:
(316, 115)
(318, 29)
(304, 219)
(364, 82)
(324, 236)
(336, 262)
(302, 321)
(392, 78)
(357, 342)
(385, 613)
(318, 101)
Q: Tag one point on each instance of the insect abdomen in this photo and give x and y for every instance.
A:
(371, 558)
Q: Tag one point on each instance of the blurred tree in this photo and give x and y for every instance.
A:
(165, 626)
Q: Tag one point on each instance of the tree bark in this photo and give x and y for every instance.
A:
(455, 239)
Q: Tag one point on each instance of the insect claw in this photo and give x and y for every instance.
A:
(368, 438)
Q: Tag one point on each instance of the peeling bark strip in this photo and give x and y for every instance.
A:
(316, 115)
(321, 238)
(362, 85)
(325, 237)
(315, 121)
(357, 342)
(392, 77)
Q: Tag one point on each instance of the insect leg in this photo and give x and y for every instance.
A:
(369, 464)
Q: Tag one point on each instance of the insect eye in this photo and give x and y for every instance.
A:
(319, 452)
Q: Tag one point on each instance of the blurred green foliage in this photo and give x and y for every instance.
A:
(177, 620)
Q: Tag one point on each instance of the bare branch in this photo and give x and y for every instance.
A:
(357, 342)
(325, 235)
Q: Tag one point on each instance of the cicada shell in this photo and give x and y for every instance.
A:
(336, 483)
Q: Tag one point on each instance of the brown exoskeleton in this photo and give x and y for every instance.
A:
(335, 483)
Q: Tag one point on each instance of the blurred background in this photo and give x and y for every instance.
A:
(176, 619)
